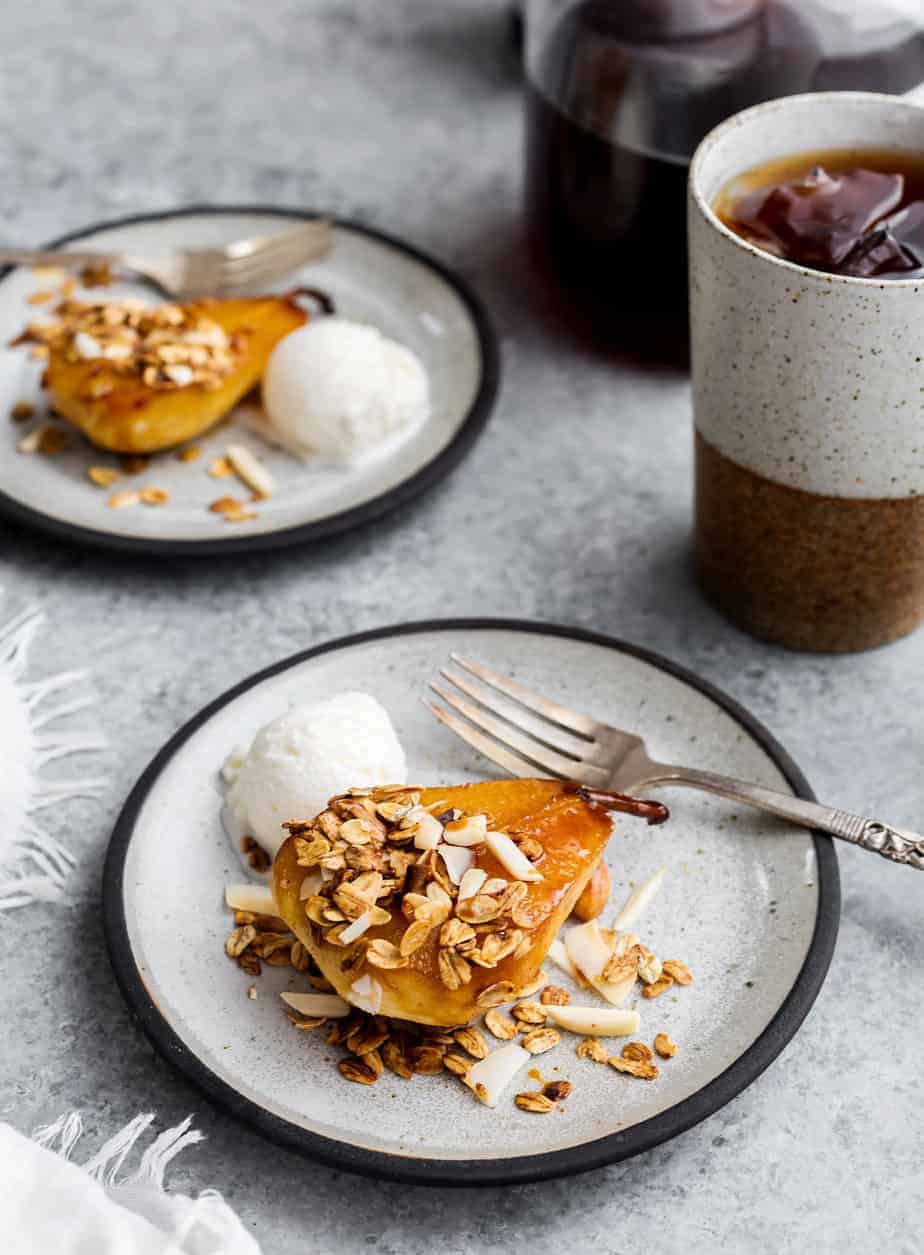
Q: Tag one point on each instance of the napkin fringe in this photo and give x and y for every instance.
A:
(34, 866)
(63, 1134)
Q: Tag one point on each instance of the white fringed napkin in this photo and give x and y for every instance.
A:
(50, 1205)
(33, 866)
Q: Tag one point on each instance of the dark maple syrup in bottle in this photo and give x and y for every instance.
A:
(618, 95)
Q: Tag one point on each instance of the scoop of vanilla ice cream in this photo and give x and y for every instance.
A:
(305, 757)
(339, 388)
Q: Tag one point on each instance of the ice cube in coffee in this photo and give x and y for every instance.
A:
(846, 213)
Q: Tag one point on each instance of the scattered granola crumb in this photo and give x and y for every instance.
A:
(189, 454)
(220, 468)
(665, 1046)
(52, 440)
(678, 971)
(634, 1067)
(554, 996)
(68, 287)
(540, 1040)
(358, 1070)
(533, 1100)
(39, 352)
(473, 1041)
(637, 1050)
(529, 1013)
(103, 476)
(233, 510)
(457, 1064)
(659, 987)
(127, 497)
(592, 1048)
(252, 993)
(41, 297)
(97, 275)
(154, 496)
(49, 275)
(22, 411)
(258, 859)
(30, 442)
(558, 1091)
(500, 1025)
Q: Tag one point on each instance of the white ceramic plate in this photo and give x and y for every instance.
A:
(372, 278)
(750, 904)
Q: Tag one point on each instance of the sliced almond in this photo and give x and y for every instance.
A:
(250, 470)
(595, 1021)
(638, 900)
(354, 931)
(328, 1005)
(511, 857)
(472, 883)
(366, 993)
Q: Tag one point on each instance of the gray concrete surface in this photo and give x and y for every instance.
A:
(574, 507)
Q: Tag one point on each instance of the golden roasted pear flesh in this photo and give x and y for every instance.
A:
(173, 383)
(434, 904)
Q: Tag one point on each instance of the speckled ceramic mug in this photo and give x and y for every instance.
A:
(808, 402)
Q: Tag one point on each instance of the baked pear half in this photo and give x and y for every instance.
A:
(152, 377)
(434, 904)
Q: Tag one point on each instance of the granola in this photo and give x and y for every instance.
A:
(167, 347)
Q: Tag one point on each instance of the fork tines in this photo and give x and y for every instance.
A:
(514, 727)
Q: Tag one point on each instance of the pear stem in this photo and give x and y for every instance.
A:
(651, 812)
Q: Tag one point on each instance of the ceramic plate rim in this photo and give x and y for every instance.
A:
(478, 1172)
(470, 428)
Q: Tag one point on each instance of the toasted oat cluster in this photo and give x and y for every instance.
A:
(166, 346)
(382, 854)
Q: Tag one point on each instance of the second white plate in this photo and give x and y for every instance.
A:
(372, 278)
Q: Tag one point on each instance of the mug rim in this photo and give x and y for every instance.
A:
(732, 123)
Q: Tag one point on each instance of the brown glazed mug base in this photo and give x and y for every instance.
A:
(826, 574)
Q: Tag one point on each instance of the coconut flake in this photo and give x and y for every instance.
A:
(329, 1005)
(470, 830)
(490, 1076)
(429, 831)
(589, 952)
(559, 955)
(356, 929)
(255, 898)
(458, 861)
(310, 885)
(366, 994)
(471, 882)
(513, 859)
(638, 900)
(594, 1021)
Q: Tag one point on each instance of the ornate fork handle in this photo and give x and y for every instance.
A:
(897, 844)
(893, 843)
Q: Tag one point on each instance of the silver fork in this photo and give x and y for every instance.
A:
(522, 732)
(242, 266)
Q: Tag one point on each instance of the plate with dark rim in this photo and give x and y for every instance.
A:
(749, 903)
(372, 277)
